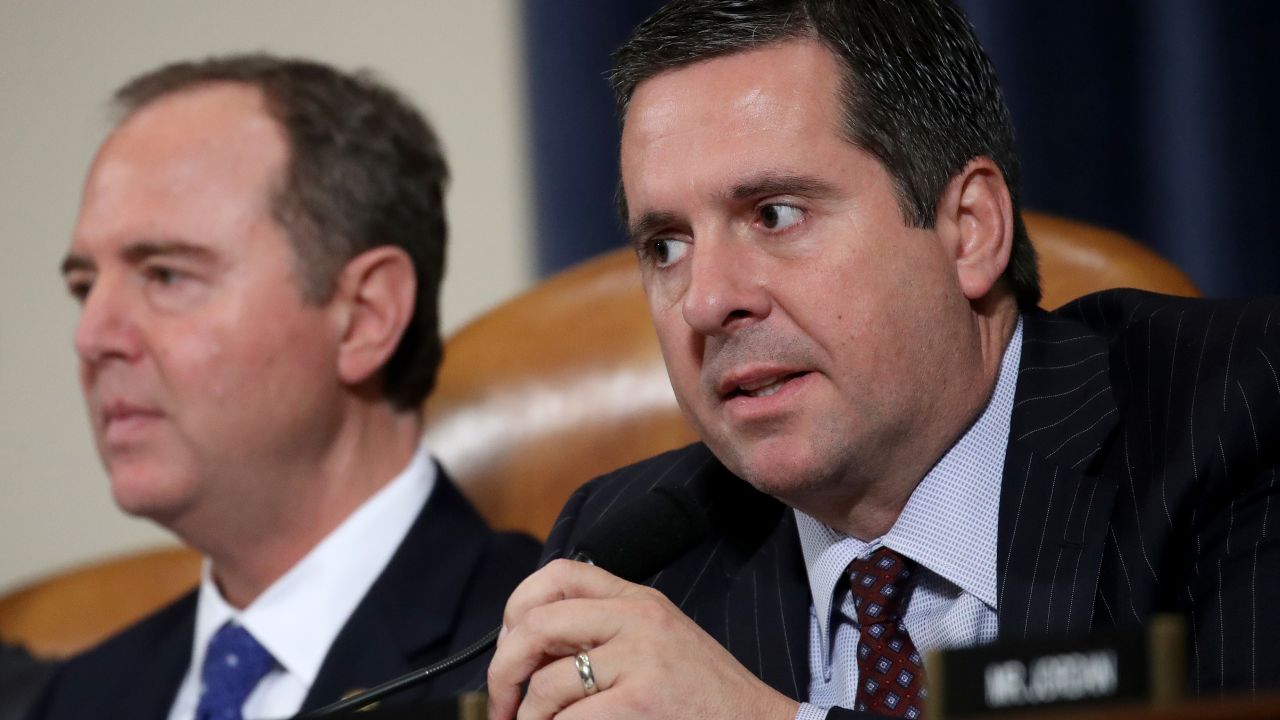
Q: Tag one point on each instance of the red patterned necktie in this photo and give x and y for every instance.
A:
(890, 673)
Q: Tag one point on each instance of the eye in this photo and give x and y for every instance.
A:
(667, 251)
(164, 276)
(79, 286)
(777, 217)
(170, 288)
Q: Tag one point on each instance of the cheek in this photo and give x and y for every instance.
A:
(292, 359)
(222, 377)
(664, 292)
(861, 310)
(912, 326)
(201, 363)
(85, 372)
(681, 352)
(836, 303)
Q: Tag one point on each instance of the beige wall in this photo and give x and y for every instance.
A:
(59, 61)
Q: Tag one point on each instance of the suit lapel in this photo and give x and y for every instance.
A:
(406, 618)
(149, 691)
(1054, 513)
(747, 588)
(769, 599)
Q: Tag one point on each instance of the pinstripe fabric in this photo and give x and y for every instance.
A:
(1192, 466)
(1142, 457)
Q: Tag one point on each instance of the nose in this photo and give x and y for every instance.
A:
(105, 329)
(726, 289)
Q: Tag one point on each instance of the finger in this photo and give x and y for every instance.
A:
(561, 580)
(554, 635)
(600, 707)
(559, 684)
(545, 634)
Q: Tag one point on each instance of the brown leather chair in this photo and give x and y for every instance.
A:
(75, 609)
(544, 392)
(1077, 259)
(566, 381)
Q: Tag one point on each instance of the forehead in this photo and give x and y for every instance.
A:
(198, 155)
(733, 111)
(770, 83)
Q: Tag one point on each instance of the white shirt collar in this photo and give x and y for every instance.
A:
(950, 524)
(298, 617)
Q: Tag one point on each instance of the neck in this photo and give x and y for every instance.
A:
(307, 500)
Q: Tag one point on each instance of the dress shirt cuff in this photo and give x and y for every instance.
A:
(811, 712)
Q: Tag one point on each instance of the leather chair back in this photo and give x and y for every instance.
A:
(560, 384)
(566, 382)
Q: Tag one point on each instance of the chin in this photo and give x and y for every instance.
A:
(146, 491)
(785, 484)
(784, 469)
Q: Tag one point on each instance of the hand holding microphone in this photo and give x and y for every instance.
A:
(591, 644)
(648, 535)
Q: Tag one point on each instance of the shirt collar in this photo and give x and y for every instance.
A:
(298, 617)
(950, 524)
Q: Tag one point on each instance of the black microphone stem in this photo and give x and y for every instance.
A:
(656, 529)
(355, 702)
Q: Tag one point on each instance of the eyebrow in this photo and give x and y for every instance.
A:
(780, 184)
(138, 252)
(74, 262)
(761, 185)
(647, 223)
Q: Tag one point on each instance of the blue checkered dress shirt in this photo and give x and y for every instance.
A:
(949, 526)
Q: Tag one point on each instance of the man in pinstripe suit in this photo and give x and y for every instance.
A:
(823, 197)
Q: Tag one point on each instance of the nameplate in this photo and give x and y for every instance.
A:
(1110, 668)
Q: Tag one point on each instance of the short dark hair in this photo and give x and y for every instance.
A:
(364, 170)
(920, 94)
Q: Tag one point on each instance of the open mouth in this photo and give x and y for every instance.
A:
(764, 387)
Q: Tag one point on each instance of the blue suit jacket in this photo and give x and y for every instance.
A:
(1138, 479)
(445, 587)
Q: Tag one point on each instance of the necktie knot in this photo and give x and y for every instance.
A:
(233, 665)
(878, 583)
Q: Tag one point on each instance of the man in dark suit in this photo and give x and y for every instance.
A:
(258, 259)
(900, 451)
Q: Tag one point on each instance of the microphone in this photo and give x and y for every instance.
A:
(654, 530)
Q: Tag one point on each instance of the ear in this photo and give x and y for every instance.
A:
(377, 289)
(975, 217)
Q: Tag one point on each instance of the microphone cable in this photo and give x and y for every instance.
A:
(657, 528)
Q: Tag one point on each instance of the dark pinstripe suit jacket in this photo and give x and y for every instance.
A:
(1141, 463)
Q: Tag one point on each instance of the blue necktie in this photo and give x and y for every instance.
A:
(233, 665)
